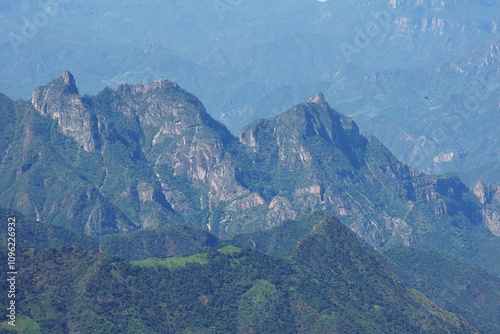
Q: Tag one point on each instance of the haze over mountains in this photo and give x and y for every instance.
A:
(421, 76)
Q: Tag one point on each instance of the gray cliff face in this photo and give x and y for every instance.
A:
(334, 168)
(182, 143)
(313, 117)
(142, 156)
(489, 196)
(178, 133)
(60, 101)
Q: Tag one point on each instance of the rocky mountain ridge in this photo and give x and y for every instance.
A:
(249, 60)
(141, 156)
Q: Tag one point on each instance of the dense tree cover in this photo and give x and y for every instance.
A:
(453, 284)
(329, 282)
(30, 234)
(166, 241)
(279, 240)
(170, 240)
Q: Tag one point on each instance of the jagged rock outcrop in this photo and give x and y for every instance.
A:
(141, 156)
(323, 162)
(489, 196)
(179, 133)
(487, 193)
(183, 144)
(60, 100)
(313, 117)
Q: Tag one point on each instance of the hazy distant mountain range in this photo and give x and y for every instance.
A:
(422, 76)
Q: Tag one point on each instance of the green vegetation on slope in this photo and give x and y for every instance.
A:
(451, 283)
(172, 262)
(329, 283)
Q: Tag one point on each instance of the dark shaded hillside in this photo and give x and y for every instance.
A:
(167, 241)
(33, 234)
(329, 283)
(452, 284)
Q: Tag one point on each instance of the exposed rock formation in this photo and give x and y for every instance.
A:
(141, 156)
(489, 196)
(60, 100)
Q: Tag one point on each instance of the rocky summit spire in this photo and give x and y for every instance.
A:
(47, 98)
(69, 83)
(316, 98)
(61, 101)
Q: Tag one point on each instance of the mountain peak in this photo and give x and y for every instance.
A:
(147, 87)
(316, 98)
(54, 90)
(69, 82)
(284, 137)
(61, 101)
(47, 98)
